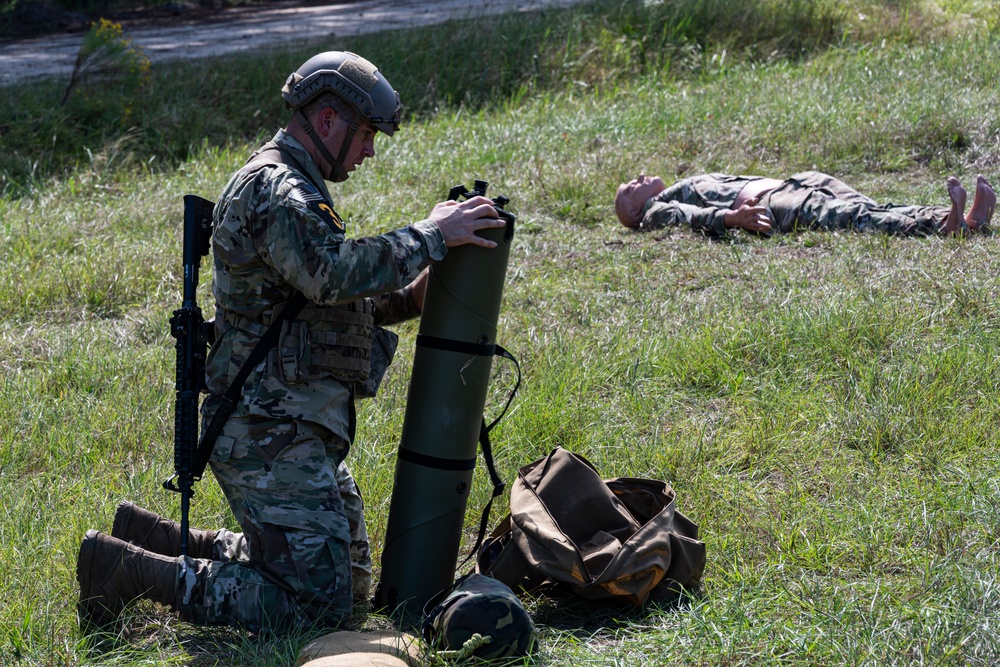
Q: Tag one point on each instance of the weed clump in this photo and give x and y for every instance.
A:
(109, 73)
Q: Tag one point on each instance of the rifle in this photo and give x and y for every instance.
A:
(193, 335)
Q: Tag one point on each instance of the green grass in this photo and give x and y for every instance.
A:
(823, 404)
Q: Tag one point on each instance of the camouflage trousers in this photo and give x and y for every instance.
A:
(303, 555)
(813, 200)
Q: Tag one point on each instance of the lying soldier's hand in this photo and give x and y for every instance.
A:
(751, 218)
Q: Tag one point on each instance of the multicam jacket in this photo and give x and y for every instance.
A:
(276, 232)
(699, 202)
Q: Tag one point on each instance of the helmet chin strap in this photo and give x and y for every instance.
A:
(338, 173)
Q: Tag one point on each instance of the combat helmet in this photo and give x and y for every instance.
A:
(351, 78)
(478, 616)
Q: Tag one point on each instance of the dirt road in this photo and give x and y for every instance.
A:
(246, 28)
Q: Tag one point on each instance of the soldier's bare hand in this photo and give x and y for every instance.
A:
(459, 221)
(751, 218)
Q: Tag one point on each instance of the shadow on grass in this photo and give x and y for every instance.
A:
(147, 629)
(569, 613)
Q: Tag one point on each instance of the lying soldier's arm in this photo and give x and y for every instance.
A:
(709, 221)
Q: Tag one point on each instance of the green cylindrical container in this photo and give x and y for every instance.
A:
(444, 413)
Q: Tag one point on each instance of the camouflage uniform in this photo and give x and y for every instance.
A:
(810, 200)
(280, 457)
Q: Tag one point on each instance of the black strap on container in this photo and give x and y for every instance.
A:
(484, 429)
(484, 441)
(483, 350)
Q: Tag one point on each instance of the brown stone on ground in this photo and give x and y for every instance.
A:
(397, 648)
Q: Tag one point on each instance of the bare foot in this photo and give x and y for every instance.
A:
(957, 195)
(983, 203)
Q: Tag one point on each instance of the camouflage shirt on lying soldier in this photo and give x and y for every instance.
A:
(714, 203)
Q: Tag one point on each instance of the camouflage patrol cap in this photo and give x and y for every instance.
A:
(479, 605)
(353, 79)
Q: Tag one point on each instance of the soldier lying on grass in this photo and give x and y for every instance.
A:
(714, 203)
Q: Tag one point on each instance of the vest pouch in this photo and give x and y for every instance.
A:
(328, 342)
(384, 343)
(293, 351)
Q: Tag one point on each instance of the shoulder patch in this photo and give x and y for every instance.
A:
(314, 201)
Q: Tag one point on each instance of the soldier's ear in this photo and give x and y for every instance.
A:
(326, 120)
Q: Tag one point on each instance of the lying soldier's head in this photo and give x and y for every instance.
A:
(631, 198)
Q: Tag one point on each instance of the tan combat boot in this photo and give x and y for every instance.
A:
(113, 573)
(154, 533)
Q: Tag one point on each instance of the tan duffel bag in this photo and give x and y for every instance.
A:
(620, 538)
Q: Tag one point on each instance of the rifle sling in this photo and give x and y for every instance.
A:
(276, 155)
(235, 391)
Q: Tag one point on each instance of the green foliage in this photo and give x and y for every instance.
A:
(108, 66)
(99, 106)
